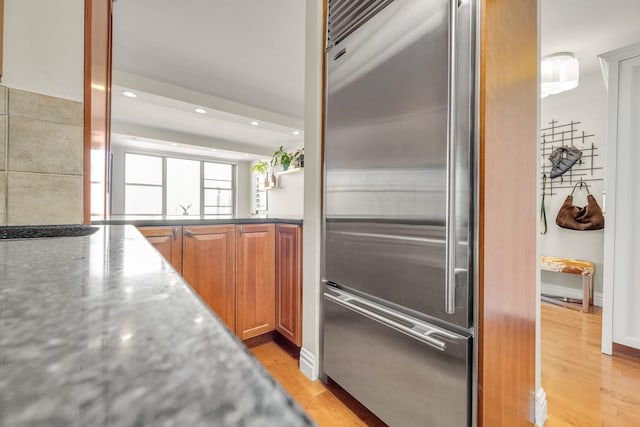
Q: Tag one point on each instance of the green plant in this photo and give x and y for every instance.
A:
(281, 157)
(298, 158)
(261, 167)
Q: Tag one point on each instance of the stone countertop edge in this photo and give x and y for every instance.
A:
(158, 222)
(101, 330)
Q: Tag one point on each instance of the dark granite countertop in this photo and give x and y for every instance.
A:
(100, 330)
(193, 220)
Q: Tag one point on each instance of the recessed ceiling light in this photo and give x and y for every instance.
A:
(296, 132)
(200, 111)
(213, 149)
(254, 123)
(246, 155)
(129, 94)
(174, 143)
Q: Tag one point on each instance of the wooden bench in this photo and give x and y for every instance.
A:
(571, 266)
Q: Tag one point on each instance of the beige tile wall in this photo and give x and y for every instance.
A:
(40, 159)
(3, 155)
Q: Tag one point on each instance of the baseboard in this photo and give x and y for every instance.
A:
(291, 349)
(548, 288)
(626, 351)
(541, 407)
(258, 340)
(308, 364)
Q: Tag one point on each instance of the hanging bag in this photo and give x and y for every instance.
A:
(576, 218)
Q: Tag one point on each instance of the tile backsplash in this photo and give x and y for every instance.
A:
(41, 150)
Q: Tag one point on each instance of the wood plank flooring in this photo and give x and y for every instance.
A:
(584, 387)
(327, 405)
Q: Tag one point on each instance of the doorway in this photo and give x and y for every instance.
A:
(582, 385)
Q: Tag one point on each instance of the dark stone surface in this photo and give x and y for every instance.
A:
(42, 231)
(192, 220)
(101, 331)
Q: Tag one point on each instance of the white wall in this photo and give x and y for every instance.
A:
(44, 47)
(588, 105)
(287, 200)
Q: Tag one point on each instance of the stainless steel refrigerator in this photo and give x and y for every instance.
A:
(398, 281)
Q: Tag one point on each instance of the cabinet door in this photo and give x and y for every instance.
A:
(289, 282)
(255, 296)
(168, 241)
(209, 267)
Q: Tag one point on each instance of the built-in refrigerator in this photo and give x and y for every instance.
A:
(399, 197)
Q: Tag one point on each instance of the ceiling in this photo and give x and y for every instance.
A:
(249, 51)
(242, 61)
(158, 117)
(135, 143)
(588, 28)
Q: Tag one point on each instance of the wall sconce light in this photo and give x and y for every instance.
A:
(559, 72)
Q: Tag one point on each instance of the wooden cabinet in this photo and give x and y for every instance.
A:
(209, 267)
(255, 280)
(249, 274)
(168, 241)
(289, 282)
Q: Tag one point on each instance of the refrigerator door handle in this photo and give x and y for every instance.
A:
(450, 255)
(417, 330)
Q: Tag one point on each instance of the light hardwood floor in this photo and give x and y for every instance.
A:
(584, 387)
(327, 405)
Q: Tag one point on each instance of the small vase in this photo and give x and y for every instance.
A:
(285, 166)
(273, 180)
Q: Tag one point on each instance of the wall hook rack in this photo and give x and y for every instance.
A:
(587, 169)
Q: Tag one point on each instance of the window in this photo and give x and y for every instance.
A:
(143, 185)
(183, 187)
(97, 179)
(218, 189)
(156, 185)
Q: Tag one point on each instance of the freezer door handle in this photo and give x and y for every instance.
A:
(410, 327)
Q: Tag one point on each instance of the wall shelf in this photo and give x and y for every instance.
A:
(271, 187)
(289, 171)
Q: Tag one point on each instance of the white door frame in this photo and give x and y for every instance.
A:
(610, 69)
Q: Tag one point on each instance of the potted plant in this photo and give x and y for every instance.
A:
(261, 167)
(281, 157)
(298, 158)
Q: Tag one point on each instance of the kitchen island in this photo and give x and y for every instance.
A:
(236, 265)
(101, 330)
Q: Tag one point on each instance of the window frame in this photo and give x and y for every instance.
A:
(164, 156)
